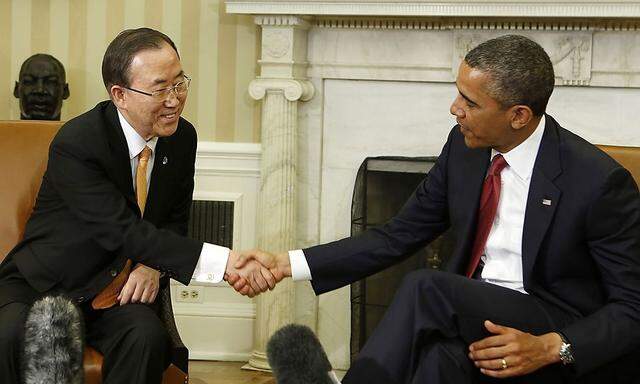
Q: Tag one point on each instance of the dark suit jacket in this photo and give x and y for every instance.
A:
(86, 221)
(581, 253)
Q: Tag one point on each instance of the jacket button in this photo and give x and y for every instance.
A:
(113, 273)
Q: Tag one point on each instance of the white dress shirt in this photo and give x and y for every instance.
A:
(213, 258)
(502, 256)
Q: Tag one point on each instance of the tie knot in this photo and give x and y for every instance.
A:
(497, 165)
(144, 154)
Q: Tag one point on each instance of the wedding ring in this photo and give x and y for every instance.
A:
(504, 364)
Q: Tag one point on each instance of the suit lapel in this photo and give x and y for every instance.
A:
(121, 164)
(162, 164)
(474, 168)
(544, 197)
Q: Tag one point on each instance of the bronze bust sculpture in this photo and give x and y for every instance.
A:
(41, 87)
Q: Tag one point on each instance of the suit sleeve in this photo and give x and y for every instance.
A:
(423, 218)
(102, 211)
(613, 235)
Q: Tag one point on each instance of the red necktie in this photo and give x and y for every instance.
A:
(487, 212)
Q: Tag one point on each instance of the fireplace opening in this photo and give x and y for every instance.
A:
(383, 184)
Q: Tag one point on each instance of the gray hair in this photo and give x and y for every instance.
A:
(520, 71)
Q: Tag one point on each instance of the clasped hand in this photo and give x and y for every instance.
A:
(253, 272)
(510, 352)
(250, 273)
(142, 286)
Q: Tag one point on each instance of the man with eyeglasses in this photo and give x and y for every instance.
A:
(111, 217)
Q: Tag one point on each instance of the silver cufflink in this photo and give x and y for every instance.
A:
(165, 160)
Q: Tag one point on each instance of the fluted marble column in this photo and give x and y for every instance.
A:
(280, 87)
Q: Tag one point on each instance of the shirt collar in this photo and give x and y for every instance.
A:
(135, 142)
(522, 158)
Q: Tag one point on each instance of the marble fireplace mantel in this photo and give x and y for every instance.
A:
(452, 8)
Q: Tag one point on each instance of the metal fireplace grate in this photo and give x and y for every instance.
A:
(382, 186)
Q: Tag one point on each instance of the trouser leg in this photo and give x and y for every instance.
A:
(16, 297)
(12, 319)
(445, 361)
(134, 343)
(431, 306)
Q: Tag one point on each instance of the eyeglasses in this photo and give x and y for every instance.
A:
(180, 88)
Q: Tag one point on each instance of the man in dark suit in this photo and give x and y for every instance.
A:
(118, 187)
(544, 283)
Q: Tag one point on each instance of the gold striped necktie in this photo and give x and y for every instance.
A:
(141, 177)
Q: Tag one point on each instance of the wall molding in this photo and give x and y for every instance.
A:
(197, 354)
(582, 56)
(233, 172)
(588, 8)
(235, 310)
(239, 151)
(228, 159)
(509, 24)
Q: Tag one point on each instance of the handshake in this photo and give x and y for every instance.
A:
(253, 272)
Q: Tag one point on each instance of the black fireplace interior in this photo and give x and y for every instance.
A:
(383, 184)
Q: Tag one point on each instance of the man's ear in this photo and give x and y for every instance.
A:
(16, 91)
(521, 116)
(65, 91)
(118, 96)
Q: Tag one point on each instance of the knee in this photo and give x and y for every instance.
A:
(417, 280)
(427, 283)
(152, 335)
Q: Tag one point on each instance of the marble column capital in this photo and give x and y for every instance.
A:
(293, 89)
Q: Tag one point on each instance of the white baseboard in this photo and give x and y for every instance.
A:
(224, 310)
(218, 356)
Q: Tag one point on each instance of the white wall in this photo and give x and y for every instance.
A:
(218, 324)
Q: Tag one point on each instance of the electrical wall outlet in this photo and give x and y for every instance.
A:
(189, 294)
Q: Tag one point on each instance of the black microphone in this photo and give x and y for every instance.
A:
(297, 357)
(53, 343)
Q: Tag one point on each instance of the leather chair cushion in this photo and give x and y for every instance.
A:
(629, 157)
(23, 146)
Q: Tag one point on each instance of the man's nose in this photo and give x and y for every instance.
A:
(172, 99)
(455, 108)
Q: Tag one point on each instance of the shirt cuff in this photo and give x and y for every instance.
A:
(299, 267)
(212, 264)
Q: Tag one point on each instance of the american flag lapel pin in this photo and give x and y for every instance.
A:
(546, 202)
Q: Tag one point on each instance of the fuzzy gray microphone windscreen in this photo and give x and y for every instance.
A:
(297, 357)
(53, 343)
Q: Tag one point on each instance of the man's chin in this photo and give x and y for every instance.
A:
(471, 143)
(166, 129)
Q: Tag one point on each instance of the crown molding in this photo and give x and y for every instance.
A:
(556, 9)
(489, 24)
